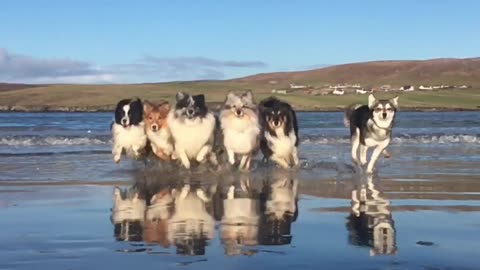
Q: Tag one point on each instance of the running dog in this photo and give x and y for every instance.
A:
(157, 130)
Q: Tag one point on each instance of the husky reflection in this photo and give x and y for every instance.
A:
(370, 222)
(156, 218)
(279, 205)
(239, 222)
(127, 215)
(191, 225)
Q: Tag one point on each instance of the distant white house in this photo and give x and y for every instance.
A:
(279, 91)
(297, 86)
(338, 92)
(361, 91)
(356, 85)
(422, 87)
(407, 88)
(463, 86)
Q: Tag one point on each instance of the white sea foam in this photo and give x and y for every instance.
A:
(53, 140)
(417, 139)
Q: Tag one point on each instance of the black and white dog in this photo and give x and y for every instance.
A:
(192, 126)
(279, 140)
(371, 126)
(128, 130)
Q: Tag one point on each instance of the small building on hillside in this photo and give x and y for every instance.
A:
(297, 86)
(423, 87)
(407, 88)
(338, 92)
(361, 91)
(279, 91)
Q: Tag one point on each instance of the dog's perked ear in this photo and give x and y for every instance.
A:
(147, 107)
(248, 97)
(180, 96)
(199, 100)
(230, 97)
(371, 101)
(394, 102)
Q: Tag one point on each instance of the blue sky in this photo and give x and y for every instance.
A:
(151, 41)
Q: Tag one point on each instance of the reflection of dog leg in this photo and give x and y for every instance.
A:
(160, 154)
(386, 154)
(202, 196)
(185, 191)
(280, 161)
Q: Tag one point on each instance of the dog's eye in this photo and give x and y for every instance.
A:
(389, 109)
(378, 109)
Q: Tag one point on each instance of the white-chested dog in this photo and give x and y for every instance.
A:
(371, 126)
(192, 127)
(241, 128)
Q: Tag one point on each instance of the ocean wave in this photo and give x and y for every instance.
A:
(404, 139)
(54, 140)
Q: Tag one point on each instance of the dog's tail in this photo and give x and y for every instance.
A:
(348, 114)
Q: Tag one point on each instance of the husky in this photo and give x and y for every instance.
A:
(241, 128)
(192, 127)
(279, 140)
(371, 126)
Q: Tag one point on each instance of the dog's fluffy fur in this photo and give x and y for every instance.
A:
(128, 213)
(192, 127)
(279, 140)
(156, 127)
(128, 130)
(371, 126)
(241, 128)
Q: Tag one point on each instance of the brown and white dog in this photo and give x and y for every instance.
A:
(156, 128)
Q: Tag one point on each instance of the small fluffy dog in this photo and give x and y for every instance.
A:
(371, 126)
(192, 127)
(158, 133)
(128, 130)
(280, 132)
(240, 126)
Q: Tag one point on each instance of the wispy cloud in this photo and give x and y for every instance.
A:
(24, 68)
(18, 68)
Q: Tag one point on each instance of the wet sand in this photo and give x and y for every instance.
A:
(68, 226)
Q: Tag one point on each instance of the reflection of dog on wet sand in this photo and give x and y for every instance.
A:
(127, 215)
(156, 218)
(191, 225)
(370, 222)
(280, 198)
(239, 224)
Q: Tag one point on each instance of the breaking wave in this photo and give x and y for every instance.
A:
(20, 141)
(54, 140)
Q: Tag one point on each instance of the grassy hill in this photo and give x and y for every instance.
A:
(429, 72)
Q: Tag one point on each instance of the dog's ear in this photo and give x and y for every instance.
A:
(394, 101)
(200, 99)
(147, 106)
(371, 100)
(248, 97)
(165, 107)
(180, 96)
(230, 96)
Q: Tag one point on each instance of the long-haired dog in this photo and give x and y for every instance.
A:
(371, 126)
(156, 218)
(241, 128)
(192, 126)
(279, 140)
(128, 130)
(156, 127)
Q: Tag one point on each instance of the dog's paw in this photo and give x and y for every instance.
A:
(116, 159)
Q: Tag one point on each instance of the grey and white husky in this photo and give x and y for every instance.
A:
(371, 126)
(241, 128)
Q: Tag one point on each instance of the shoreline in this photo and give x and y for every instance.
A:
(97, 109)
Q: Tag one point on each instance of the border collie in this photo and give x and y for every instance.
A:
(280, 132)
(240, 126)
(156, 127)
(192, 127)
(128, 130)
(371, 126)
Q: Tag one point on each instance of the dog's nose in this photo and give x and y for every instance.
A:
(190, 111)
(239, 112)
(276, 123)
(384, 115)
(124, 121)
(154, 127)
